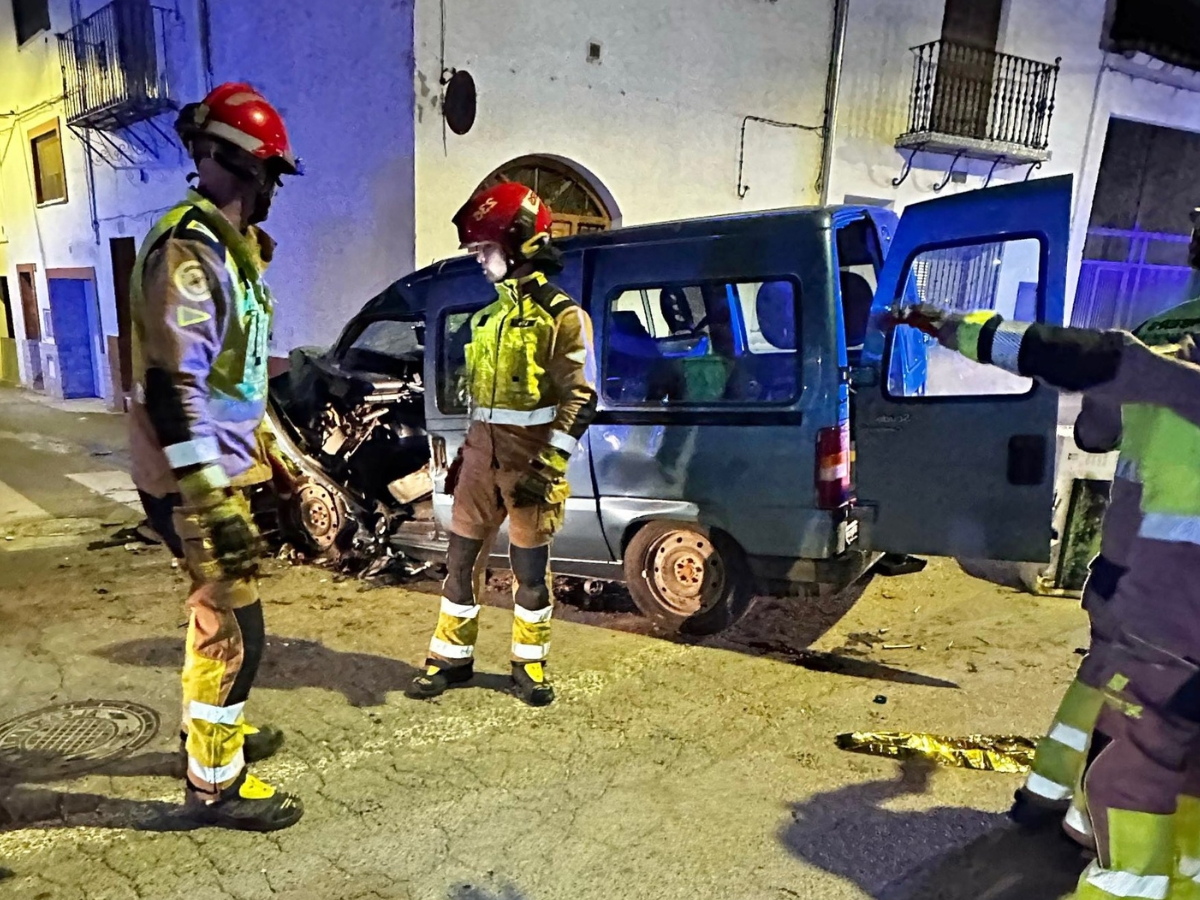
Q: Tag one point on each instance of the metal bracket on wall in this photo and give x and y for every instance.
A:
(79, 133)
(742, 187)
(908, 164)
(992, 171)
(1036, 165)
(937, 188)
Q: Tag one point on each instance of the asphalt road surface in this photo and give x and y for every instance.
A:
(664, 770)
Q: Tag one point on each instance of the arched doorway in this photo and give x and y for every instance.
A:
(577, 206)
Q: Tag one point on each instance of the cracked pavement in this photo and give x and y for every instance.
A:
(665, 770)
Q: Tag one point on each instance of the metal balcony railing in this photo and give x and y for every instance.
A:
(980, 102)
(115, 66)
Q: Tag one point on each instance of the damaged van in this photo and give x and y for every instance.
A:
(757, 430)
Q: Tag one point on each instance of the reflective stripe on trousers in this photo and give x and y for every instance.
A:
(1061, 754)
(531, 633)
(456, 633)
(1187, 848)
(1136, 863)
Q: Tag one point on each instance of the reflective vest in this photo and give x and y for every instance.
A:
(1164, 447)
(511, 343)
(239, 373)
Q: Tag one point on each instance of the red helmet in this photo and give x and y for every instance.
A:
(237, 113)
(508, 214)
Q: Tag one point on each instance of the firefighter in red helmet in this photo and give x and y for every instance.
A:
(201, 315)
(529, 381)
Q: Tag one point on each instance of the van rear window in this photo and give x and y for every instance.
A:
(714, 343)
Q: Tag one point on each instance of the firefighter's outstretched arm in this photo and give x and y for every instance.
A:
(186, 307)
(1112, 366)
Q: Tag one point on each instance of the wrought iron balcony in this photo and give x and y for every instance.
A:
(975, 102)
(115, 66)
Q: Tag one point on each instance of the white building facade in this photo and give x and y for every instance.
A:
(625, 112)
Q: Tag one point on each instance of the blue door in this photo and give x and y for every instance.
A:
(69, 302)
(965, 467)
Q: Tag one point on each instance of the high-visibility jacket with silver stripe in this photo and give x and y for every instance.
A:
(201, 321)
(530, 361)
(1168, 444)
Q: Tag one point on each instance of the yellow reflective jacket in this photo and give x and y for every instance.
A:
(530, 361)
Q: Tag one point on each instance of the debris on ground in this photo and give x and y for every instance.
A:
(880, 699)
(900, 564)
(990, 753)
(131, 537)
(6, 873)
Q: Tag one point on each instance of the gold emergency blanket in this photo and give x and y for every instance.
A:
(991, 753)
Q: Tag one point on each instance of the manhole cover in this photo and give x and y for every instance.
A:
(73, 738)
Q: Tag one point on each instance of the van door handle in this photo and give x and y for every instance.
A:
(1026, 459)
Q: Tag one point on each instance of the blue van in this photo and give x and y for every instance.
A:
(757, 431)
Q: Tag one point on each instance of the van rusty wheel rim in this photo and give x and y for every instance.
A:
(686, 573)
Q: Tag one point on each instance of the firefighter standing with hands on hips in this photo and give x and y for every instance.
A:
(201, 315)
(530, 383)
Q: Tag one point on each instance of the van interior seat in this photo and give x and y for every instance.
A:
(771, 376)
(857, 299)
(631, 359)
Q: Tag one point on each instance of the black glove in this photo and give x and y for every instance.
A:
(545, 482)
(236, 544)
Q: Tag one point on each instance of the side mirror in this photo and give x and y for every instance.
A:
(864, 377)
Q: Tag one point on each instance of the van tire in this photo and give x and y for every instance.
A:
(686, 578)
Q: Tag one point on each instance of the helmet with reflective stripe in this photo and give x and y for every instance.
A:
(508, 214)
(236, 113)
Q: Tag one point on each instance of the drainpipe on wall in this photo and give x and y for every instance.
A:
(837, 55)
(204, 16)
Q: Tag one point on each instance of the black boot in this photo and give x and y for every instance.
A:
(530, 684)
(257, 743)
(1034, 813)
(246, 805)
(437, 677)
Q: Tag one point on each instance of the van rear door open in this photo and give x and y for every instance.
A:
(963, 464)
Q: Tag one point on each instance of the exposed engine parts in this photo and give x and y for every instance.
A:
(364, 453)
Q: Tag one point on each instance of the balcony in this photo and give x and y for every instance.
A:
(979, 103)
(114, 66)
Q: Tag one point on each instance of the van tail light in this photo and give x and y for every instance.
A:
(833, 467)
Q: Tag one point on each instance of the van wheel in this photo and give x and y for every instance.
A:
(686, 578)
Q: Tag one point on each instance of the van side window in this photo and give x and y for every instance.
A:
(1001, 276)
(714, 343)
(454, 333)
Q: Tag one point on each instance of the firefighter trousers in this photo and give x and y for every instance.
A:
(1141, 791)
(1058, 763)
(225, 640)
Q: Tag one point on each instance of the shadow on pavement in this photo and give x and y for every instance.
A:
(783, 628)
(22, 806)
(944, 853)
(290, 663)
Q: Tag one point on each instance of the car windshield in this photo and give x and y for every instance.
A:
(387, 346)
